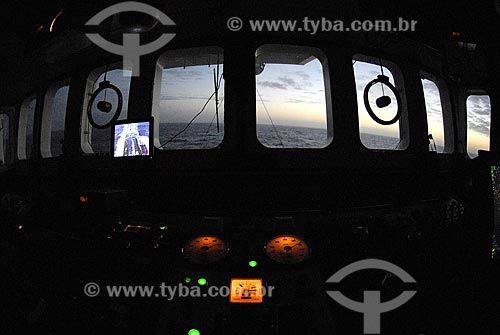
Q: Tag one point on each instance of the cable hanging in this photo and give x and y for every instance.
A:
(270, 119)
(189, 123)
(217, 83)
(382, 73)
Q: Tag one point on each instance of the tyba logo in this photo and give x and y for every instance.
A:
(131, 50)
(371, 307)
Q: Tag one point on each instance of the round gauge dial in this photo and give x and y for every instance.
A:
(287, 249)
(205, 249)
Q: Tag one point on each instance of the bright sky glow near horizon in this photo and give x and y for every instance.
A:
(293, 94)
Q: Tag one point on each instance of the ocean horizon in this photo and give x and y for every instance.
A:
(205, 136)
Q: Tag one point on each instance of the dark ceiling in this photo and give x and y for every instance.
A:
(477, 21)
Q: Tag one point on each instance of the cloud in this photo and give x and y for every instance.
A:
(290, 82)
(480, 126)
(361, 87)
(479, 114)
(285, 82)
(183, 74)
(318, 92)
(183, 97)
(479, 105)
(363, 79)
(297, 101)
(374, 74)
(273, 84)
(434, 114)
(302, 100)
(302, 75)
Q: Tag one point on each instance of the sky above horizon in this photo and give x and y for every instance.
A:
(294, 95)
(478, 123)
(184, 92)
(363, 74)
(435, 124)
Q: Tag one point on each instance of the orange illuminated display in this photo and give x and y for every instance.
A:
(246, 291)
(205, 249)
(287, 249)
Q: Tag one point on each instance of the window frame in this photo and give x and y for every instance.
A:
(47, 114)
(5, 151)
(322, 56)
(85, 126)
(156, 96)
(404, 122)
(21, 127)
(465, 97)
(446, 110)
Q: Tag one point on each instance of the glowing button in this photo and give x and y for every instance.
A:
(194, 332)
(202, 281)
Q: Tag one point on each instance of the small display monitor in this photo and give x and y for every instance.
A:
(133, 138)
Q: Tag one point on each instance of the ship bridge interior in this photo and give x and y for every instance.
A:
(265, 147)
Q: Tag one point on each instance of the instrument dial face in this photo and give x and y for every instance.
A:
(246, 291)
(206, 249)
(287, 249)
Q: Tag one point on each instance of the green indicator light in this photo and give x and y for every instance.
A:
(194, 332)
(252, 264)
(163, 227)
(187, 280)
(201, 282)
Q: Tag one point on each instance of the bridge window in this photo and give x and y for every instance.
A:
(435, 121)
(292, 97)
(478, 123)
(25, 131)
(188, 99)
(375, 135)
(54, 114)
(4, 138)
(95, 140)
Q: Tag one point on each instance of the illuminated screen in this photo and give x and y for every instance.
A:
(246, 291)
(495, 176)
(132, 139)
